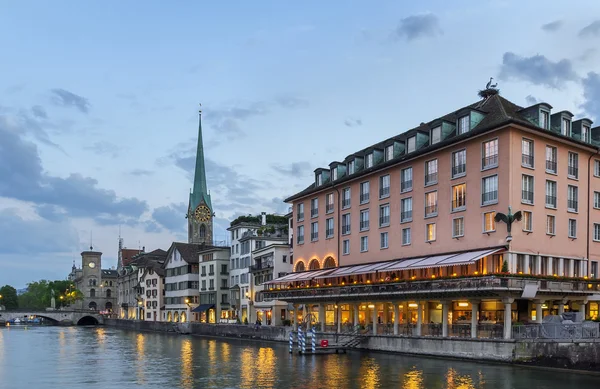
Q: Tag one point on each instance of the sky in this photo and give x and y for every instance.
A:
(99, 103)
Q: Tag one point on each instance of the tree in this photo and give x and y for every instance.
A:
(39, 294)
(504, 267)
(8, 297)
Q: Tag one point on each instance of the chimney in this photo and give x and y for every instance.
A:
(264, 218)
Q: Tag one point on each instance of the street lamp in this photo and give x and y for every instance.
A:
(140, 310)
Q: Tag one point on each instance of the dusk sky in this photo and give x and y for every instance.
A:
(99, 103)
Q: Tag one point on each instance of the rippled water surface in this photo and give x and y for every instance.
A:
(76, 357)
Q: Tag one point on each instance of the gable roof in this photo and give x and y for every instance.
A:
(190, 252)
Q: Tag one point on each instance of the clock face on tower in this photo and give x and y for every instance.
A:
(92, 265)
(202, 213)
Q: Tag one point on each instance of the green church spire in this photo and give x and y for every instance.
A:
(200, 191)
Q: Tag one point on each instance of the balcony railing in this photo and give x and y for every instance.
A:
(364, 225)
(431, 210)
(527, 196)
(300, 239)
(329, 233)
(573, 171)
(406, 185)
(489, 197)
(364, 197)
(384, 221)
(573, 331)
(490, 161)
(314, 212)
(329, 208)
(314, 236)
(459, 204)
(572, 205)
(345, 229)
(262, 266)
(301, 216)
(431, 178)
(212, 273)
(384, 192)
(551, 201)
(527, 160)
(345, 203)
(406, 216)
(551, 166)
(459, 169)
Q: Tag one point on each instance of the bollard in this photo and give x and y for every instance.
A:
(300, 341)
(314, 341)
(291, 342)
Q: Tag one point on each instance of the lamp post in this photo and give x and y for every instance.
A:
(139, 310)
(187, 302)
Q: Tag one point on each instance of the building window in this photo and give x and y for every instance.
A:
(346, 247)
(597, 168)
(300, 238)
(585, 133)
(550, 225)
(527, 153)
(431, 172)
(550, 194)
(384, 215)
(314, 207)
(314, 231)
(431, 208)
(544, 119)
(490, 154)
(384, 186)
(572, 197)
(594, 275)
(334, 174)
(346, 198)
(351, 167)
(458, 227)
(364, 220)
(369, 161)
(566, 127)
(406, 182)
(329, 228)
(596, 232)
(489, 190)
(329, 203)
(463, 124)
(436, 135)
(573, 165)
(364, 244)
(459, 163)
(364, 192)
(597, 200)
(345, 224)
(412, 144)
(551, 159)
(527, 189)
(405, 236)
(406, 210)
(459, 197)
(489, 223)
(300, 208)
(527, 221)
(572, 228)
(384, 240)
(389, 153)
(319, 179)
(430, 232)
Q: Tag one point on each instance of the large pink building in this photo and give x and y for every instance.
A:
(422, 206)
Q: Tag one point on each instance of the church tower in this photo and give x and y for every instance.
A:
(200, 213)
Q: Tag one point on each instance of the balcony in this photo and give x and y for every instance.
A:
(314, 236)
(364, 198)
(203, 275)
(384, 192)
(490, 161)
(527, 160)
(224, 273)
(224, 287)
(551, 166)
(573, 172)
(300, 239)
(459, 204)
(329, 208)
(345, 203)
(406, 216)
(345, 229)
(300, 216)
(551, 201)
(431, 178)
(527, 196)
(431, 210)
(459, 170)
(572, 205)
(329, 233)
(406, 185)
(364, 225)
(314, 212)
(212, 273)
(384, 221)
(489, 197)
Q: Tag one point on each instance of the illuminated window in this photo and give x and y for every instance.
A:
(430, 232)
(489, 224)
(550, 225)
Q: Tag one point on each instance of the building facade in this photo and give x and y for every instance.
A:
(97, 285)
(182, 290)
(152, 280)
(214, 285)
(491, 194)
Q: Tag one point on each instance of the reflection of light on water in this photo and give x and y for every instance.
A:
(413, 379)
(187, 364)
(456, 381)
(225, 353)
(369, 371)
(248, 363)
(140, 344)
(265, 367)
(62, 342)
(212, 358)
(333, 371)
(100, 335)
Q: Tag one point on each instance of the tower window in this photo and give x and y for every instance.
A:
(203, 231)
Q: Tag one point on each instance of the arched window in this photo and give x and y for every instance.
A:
(105, 283)
(314, 264)
(94, 282)
(108, 293)
(108, 306)
(300, 266)
(203, 231)
(169, 316)
(92, 292)
(329, 263)
(110, 283)
(182, 317)
(176, 317)
(92, 306)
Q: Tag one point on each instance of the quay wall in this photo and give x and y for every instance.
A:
(581, 355)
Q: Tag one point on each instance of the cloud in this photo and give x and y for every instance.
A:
(50, 212)
(353, 122)
(592, 29)
(295, 169)
(171, 217)
(587, 55)
(552, 26)
(291, 102)
(591, 94)
(537, 69)
(141, 172)
(531, 100)
(22, 178)
(152, 227)
(39, 112)
(104, 148)
(65, 98)
(417, 26)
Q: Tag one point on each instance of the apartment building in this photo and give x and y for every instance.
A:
(151, 279)
(430, 204)
(214, 285)
(182, 292)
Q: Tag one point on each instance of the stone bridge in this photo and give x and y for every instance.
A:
(59, 317)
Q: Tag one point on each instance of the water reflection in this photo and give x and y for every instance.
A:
(140, 348)
(456, 381)
(369, 372)
(187, 364)
(413, 379)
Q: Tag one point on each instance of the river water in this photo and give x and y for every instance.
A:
(100, 357)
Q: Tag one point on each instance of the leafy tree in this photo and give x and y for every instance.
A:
(39, 294)
(9, 297)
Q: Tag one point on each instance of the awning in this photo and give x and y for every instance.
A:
(456, 259)
(203, 307)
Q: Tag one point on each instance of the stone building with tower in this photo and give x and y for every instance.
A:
(99, 286)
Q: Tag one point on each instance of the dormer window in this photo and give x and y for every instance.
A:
(436, 135)
(319, 179)
(334, 173)
(351, 167)
(369, 162)
(389, 153)
(412, 144)
(585, 133)
(463, 124)
(545, 119)
(566, 127)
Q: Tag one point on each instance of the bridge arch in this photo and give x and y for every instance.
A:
(88, 321)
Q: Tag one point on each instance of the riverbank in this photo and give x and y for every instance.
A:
(580, 355)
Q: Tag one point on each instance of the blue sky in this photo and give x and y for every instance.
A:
(98, 103)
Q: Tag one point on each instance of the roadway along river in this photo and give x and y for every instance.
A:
(99, 357)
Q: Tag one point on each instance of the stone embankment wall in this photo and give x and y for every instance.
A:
(572, 355)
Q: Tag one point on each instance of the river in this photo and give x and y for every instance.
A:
(101, 357)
